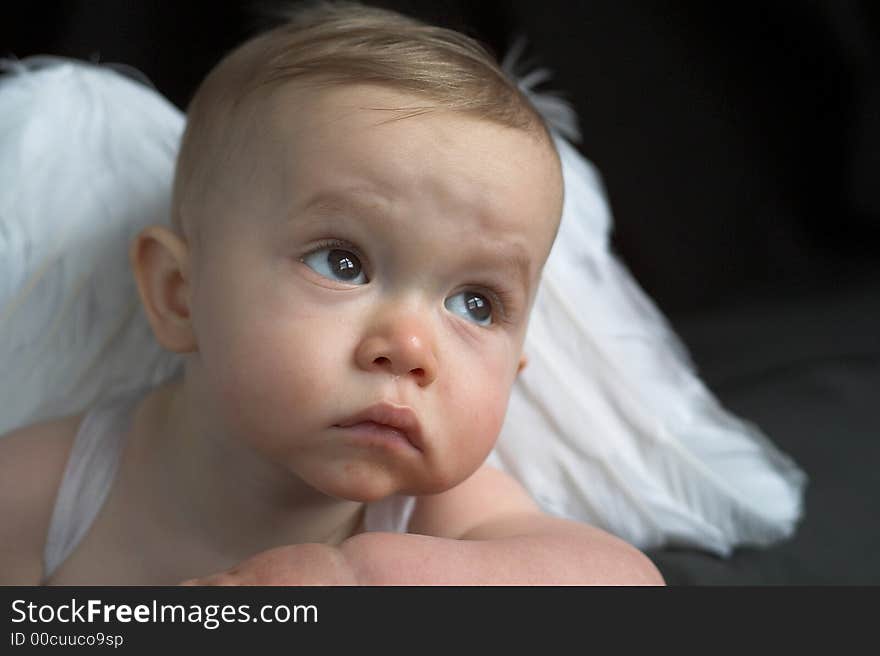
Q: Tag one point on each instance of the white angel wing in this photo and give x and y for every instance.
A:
(87, 159)
(609, 423)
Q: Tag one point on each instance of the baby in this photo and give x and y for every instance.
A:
(362, 208)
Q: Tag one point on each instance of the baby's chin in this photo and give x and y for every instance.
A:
(354, 483)
(369, 483)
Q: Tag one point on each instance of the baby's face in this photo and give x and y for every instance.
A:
(352, 260)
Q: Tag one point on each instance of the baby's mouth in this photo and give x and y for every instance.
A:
(385, 419)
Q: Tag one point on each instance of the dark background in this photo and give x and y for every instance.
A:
(740, 147)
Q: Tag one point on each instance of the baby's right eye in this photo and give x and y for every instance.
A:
(336, 264)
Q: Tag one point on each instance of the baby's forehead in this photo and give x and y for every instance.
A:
(308, 134)
(292, 105)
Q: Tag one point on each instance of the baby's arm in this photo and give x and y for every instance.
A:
(485, 531)
(32, 461)
(489, 531)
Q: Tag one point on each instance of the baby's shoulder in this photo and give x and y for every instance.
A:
(32, 463)
(487, 496)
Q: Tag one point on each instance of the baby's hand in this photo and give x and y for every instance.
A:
(297, 564)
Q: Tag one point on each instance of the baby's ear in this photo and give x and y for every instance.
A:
(523, 361)
(160, 261)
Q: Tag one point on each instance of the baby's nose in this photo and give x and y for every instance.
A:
(403, 348)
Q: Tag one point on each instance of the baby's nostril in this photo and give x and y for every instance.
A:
(382, 361)
(418, 372)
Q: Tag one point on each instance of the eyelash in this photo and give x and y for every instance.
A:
(338, 243)
(501, 299)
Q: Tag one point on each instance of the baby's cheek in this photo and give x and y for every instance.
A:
(479, 404)
(271, 375)
(491, 418)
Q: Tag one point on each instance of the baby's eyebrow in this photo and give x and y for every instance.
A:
(510, 257)
(356, 199)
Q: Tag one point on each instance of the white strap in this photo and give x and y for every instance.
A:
(390, 515)
(91, 468)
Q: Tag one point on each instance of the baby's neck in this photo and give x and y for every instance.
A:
(219, 492)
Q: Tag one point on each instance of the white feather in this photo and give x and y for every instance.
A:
(609, 423)
(87, 159)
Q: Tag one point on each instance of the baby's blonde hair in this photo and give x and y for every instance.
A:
(336, 44)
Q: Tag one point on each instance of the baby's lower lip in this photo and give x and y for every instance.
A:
(374, 434)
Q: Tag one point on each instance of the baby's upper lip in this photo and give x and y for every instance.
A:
(399, 417)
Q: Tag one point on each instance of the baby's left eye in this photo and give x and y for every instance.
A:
(472, 306)
(336, 264)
